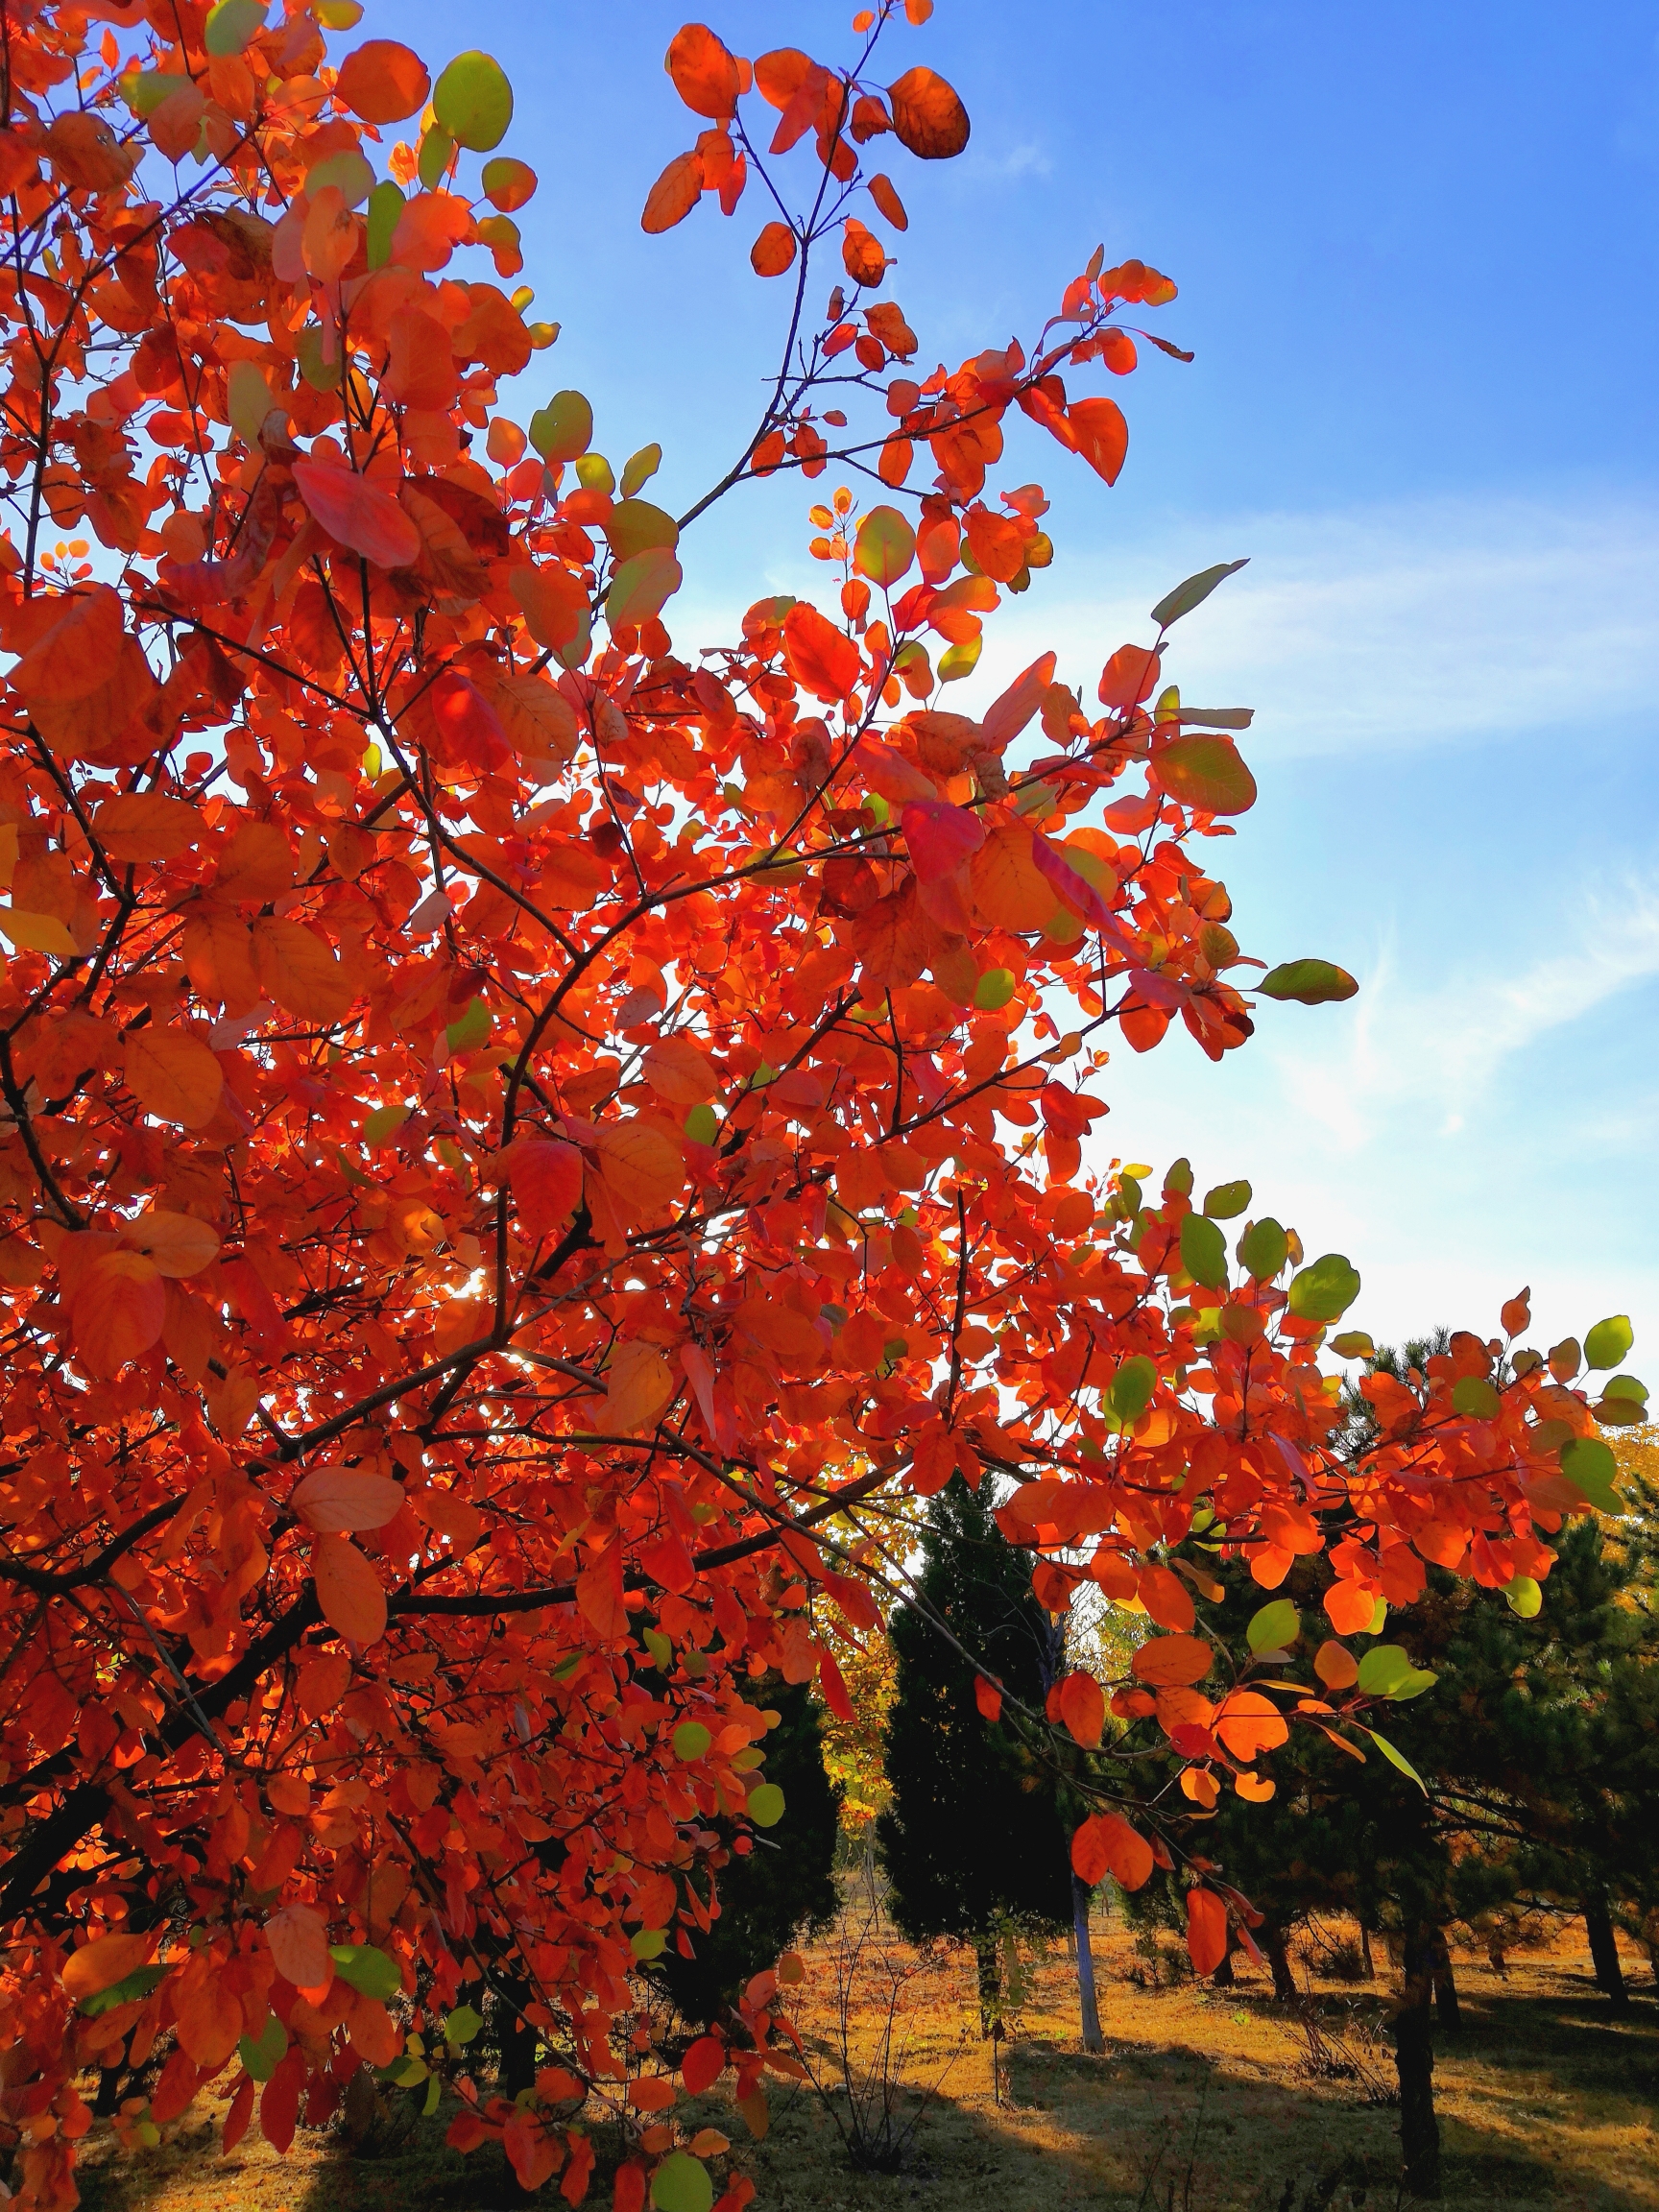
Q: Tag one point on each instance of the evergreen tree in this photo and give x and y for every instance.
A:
(784, 1887)
(975, 1834)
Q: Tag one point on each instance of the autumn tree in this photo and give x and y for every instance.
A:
(525, 1143)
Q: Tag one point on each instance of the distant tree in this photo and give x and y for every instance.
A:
(774, 1892)
(975, 1834)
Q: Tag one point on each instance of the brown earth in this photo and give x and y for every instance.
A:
(1204, 2100)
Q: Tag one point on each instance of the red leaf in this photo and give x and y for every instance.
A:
(1083, 1708)
(1106, 1844)
(358, 515)
(822, 659)
(703, 2064)
(835, 1687)
(940, 837)
(988, 1697)
(1101, 435)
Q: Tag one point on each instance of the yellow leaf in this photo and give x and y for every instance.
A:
(37, 933)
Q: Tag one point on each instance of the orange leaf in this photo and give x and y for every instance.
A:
(338, 1498)
(104, 1961)
(988, 1697)
(1173, 1662)
(1101, 434)
(298, 1940)
(553, 601)
(358, 515)
(298, 970)
(680, 1070)
(347, 1590)
(888, 200)
(706, 75)
(78, 652)
(675, 193)
(1083, 1708)
(383, 81)
(1166, 1598)
(599, 1594)
(174, 1076)
(639, 1384)
(146, 825)
(1206, 1930)
(178, 1244)
(1248, 1724)
(208, 2011)
(1106, 1844)
(928, 116)
(774, 250)
(822, 659)
(640, 1167)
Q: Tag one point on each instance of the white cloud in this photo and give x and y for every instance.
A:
(1439, 623)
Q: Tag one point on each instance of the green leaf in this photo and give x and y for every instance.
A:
(471, 1030)
(437, 152)
(648, 1942)
(690, 1741)
(1523, 1596)
(1590, 1463)
(642, 587)
(229, 28)
(961, 661)
(1218, 717)
(1179, 1178)
(1351, 1344)
(1194, 591)
(262, 2054)
(1207, 772)
(1608, 1341)
(473, 102)
(1227, 1200)
(1386, 1671)
(371, 1973)
(681, 2184)
(993, 989)
(1310, 983)
(1264, 1249)
(385, 207)
(347, 169)
(1204, 1251)
(138, 1983)
(564, 429)
(660, 1649)
(434, 2092)
(884, 548)
(640, 468)
(462, 2025)
(1275, 1627)
(635, 525)
(1325, 1290)
(1625, 1387)
(594, 472)
(1473, 1395)
(383, 1122)
(703, 1124)
(1396, 1758)
(1132, 1388)
(765, 1805)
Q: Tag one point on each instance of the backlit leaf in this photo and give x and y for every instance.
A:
(704, 71)
(172, 1076)
(1204, 1251)
(1194, 592)
(349, 1590)
(1606, 1345)
(335, 1498)
(1206, 772)
(358, 515)
(1310, 983)
(928, 119)
(1275, 1627)
(1264, 1249)
(674, 195)
(383, 81)
(1173, 1662)
(884, 548)
(562, 429)
(472, 101)
(1324, 1290)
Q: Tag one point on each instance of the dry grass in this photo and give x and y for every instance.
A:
(1201, 2103)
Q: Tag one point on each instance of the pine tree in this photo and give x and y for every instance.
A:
(974, 1835)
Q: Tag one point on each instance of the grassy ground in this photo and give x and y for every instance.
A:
(1202, 2103)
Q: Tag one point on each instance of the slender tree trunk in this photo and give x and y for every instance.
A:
(1223, 1977)
(1445, 1986)
(1415, 2062)
(1366, 1952)
(1605, 1949)
(518, 2042)
(1092, 2039)
(1275, 1944)
(990, 1962)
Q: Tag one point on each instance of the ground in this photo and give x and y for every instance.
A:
(1204, 2102)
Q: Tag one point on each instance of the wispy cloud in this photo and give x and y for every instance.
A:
(1440, 622)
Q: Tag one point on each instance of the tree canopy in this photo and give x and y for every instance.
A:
(526, 1142)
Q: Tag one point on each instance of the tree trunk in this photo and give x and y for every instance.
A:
(1366, 1952)
(1605, 1949)
(1223, 1977)
(1415, 2062)
(1092, 2039)
(990, 1961)
(1275, 1944)
(518, 2042)
(1445, 1986)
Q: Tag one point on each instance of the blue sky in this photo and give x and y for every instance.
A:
(1417, 253)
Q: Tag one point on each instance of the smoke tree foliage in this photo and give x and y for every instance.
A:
(525, 1137)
